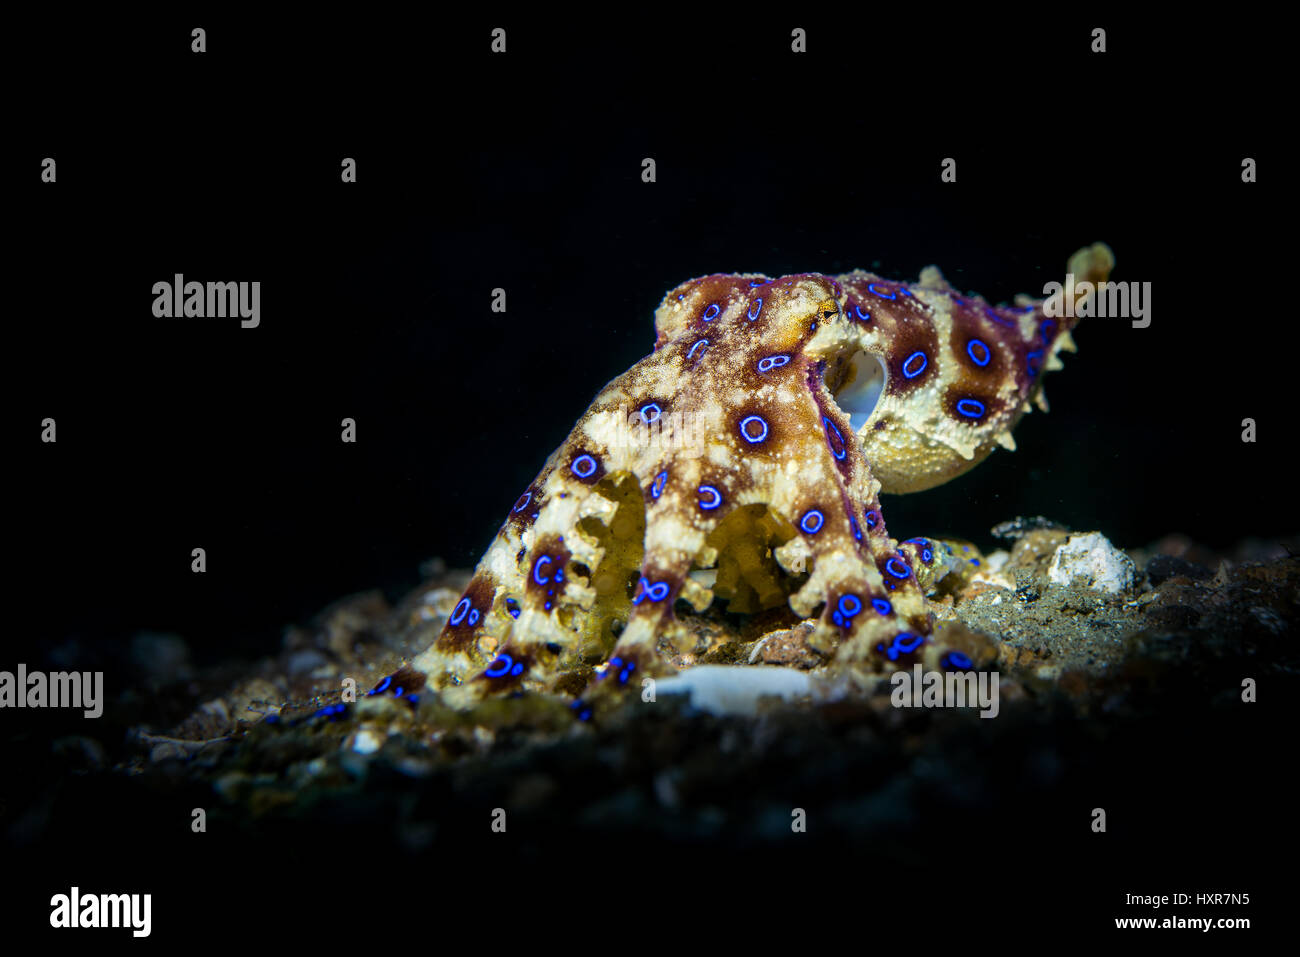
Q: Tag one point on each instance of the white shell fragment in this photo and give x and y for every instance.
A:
(730, 689)
(1093, 562)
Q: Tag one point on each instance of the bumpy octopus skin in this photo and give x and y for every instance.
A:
(743, 459)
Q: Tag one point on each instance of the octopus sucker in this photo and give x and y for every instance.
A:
(740, 465)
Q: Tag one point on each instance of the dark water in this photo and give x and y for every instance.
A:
(522, 172)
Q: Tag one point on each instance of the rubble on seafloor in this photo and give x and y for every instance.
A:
(1070, 623)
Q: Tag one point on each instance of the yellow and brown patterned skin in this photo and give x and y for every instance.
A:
(743, 459)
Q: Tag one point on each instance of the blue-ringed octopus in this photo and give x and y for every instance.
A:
(742, 461)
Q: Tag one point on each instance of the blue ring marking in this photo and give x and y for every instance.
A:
(505, 661)
(975, 562)
(927, 556)
(657, 488)
(744, 430)
(681, 296)
(512, 606)
(658, 591)
(717, 498)
(383, 685)
(958, 299)
(908, 642)
(970, 351)
(971, 408)
(863, 315)
(711, 313)
(399, 691)
(839, 456)
(413, 698)
(999, 319)
(518, 669)
(871, 288)
(702, 342)
(889, 567)
(958, 660)
(812, 521)
(850, 605)
(872, 521)
(910, 360)
(839, 619)
(616, 662)
(882, 606)
(523, 501)
(903, 643)
(770, 362)
(1043, 328)
(642, 587)
(813, 327)
(755, 283)
(473, 617)
(1030, 364)
(853, 524)
(461, 610)
(622, 676)
(754, 310)
(645, 412)
(537, 568)
(583, 473)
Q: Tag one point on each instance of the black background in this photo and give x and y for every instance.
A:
(523, 172)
